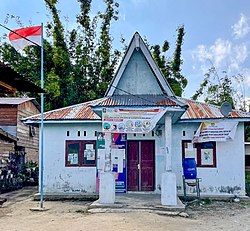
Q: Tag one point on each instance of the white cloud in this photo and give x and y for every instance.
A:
(223, 54)
(242, 27)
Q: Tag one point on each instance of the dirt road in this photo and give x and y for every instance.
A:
(73, 216)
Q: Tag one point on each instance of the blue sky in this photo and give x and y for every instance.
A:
(216, 30)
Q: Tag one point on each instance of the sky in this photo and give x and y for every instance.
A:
(217, 32)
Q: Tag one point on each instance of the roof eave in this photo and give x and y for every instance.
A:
(199, 120)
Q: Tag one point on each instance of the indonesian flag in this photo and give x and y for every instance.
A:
(24, 37)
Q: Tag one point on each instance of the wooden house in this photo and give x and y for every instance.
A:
(15, 136)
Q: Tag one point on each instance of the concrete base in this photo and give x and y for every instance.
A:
(67, 196)
(38, 209)
(168, 189)
(107, 188)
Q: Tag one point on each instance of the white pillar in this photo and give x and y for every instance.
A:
(168, 179)
(168, 143)
(107, 178)
(107, 188)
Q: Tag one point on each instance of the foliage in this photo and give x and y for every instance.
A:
(247, 178)
(171, 68)
(80, 63)
(216, 89)
(247, 131)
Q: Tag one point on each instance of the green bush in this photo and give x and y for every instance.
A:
(248, 183)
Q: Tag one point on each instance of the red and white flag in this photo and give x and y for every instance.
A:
(18, 38)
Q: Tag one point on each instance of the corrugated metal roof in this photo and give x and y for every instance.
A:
(140, 100)
(199, 110)
(81, 111)
(7, 135)
(14, 101)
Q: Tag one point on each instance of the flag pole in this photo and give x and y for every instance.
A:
(41, 132)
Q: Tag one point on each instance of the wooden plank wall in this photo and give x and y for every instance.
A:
(5, 148)
(8, 115)
(25, 138)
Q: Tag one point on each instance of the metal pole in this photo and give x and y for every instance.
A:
(41, 133)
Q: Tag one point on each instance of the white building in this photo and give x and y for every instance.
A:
(151, 161)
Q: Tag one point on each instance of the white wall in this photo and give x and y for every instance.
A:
(229, 175)
(227, 178)
(57, 177)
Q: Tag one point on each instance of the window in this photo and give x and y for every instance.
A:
(204, 153)
(80, 153)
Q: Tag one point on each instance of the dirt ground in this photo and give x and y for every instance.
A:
(15, 215)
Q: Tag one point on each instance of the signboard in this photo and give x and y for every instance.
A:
(118, 160)
(215, 131)
(117, 120)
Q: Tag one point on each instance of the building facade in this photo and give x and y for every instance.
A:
(142, 159)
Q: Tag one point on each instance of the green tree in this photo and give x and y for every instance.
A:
(171, 67)
(61, 69)
(216, 89)
(78, 64)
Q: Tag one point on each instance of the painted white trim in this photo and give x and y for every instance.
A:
(62, 121)
(209, 119)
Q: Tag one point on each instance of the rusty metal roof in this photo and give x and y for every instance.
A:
(81, 111)
(199, 110)
(196, 110)
(140, 100)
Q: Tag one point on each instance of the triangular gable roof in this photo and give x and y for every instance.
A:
(137, 43)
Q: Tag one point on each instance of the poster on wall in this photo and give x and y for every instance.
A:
(117, 120)
(100, 164)
(207, 157)
(118, 160)
(215, 131)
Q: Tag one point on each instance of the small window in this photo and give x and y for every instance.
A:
(204, 153)
(153, 133)
(67, 133)
(143, 134)
(79, 133)
(183, 133)
(134, 134)
(80, 153)
(84, 133)
(95, 133)
(32, 131)
(72, 153)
